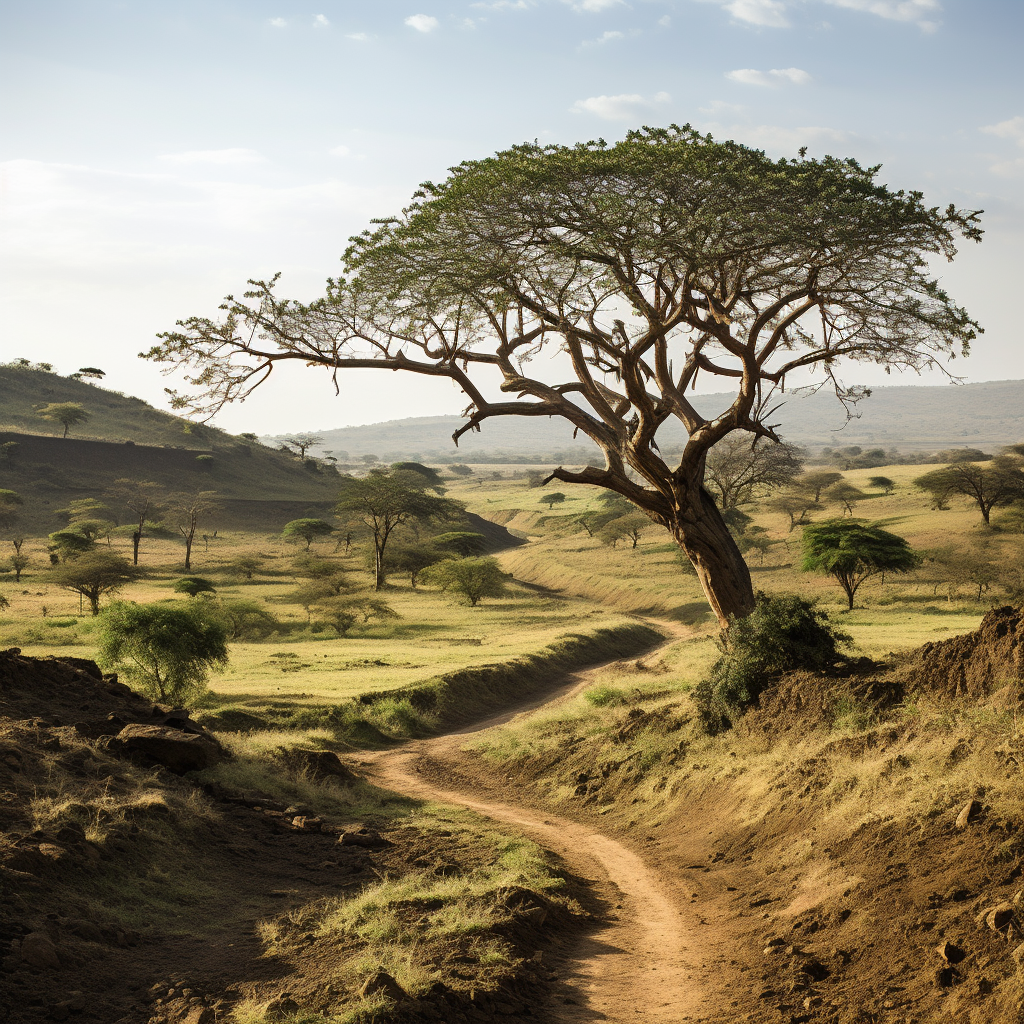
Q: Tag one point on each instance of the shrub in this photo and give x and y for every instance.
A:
(245, 619)
(193, 586)
(782, 634)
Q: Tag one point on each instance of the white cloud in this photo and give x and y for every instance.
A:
(1012, 129)
(505, 5)
(608, 37)
(340, 151)
(619, 108)
(593, 6)
(777, 76)
(422, 22)
(921, 12)
(665, 21)
(320, 21)
(716, 107)
(359, 37)
(213, 156)
(278, 23)
(770, 13)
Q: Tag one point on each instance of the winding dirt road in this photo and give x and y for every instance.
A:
(636, 966)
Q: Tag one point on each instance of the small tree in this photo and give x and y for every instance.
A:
(303, 442)
(247, 565)
(307, 529)
(193, 586)
(186, 510)
(851, 552)
(19, 563)
(882, 483)
(988, 485)
(68, 414)
(846, 494)
(167, 650)
(739, 467)
(458, 469)
(816, 482)
(412, 559)
(386, 500)
(473, 578)
(327, 574)
(69, 544)
(795, 505)
(94, 574)
(143, 499)
(10, 505)
(628, 527)
(552, 499)
(462, 542)
(245, 619)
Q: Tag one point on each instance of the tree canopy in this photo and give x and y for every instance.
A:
(168, 650)
(648, 263)
(988, 484)
(473, 578)
(67, 414)
(307, 529)
(851, 552)
(94, 574)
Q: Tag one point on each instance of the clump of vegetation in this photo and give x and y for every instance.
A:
(782, 634)
(193, 586)
(166, 650)
(472, 578)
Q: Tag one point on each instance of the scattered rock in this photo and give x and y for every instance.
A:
(382, 982)
(316, 764)
(307, 823)
(177, 750)
(364, 837)
(38, 950)
(950, 952)
(1000, 917)
(967, 812)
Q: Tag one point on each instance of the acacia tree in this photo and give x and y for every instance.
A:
(988, 485)
(739, 466)
(186, 510)
(67, 414)
(94, 574)
(851, 552)
(307, 529)
(647, 263)
(143, 499)
(303, 442)
(385, 500)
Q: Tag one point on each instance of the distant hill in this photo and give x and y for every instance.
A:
(907, 418)
(259, 488)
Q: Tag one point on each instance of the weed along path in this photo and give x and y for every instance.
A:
(638, 963)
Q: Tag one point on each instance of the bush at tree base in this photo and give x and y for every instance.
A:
(782, 634)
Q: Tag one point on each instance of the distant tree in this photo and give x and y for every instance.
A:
(795, 505)
(92, 575)
(587, 522)
(303, 442)
(309, 594)
(91, 371)
(68, 544)
(552, 498)
(739, 467)
(338, 612)
(628, 527)
(846, 494)
(958, 566)
(245, 619)
(473, 578)
(10, 506)
(19, 563)
(250, 436)
(955, 455)
(851, 552)
(882, 483)
(307, 529)
(458, 469)
(247, 565)
(143, 499)
(4, 603)
(328, 575)
(817, 481)
(186, 509)
(431, 478)
(386, 500)
(193, 586)
(68, 414)
(167, 650)
(369, 459)
(998, 482)
(412, 559)
(374, 608)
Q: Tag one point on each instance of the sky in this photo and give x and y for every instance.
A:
(155, 155)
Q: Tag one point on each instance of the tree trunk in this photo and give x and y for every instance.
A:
(722, 572)
(136, 537)
(378, 581)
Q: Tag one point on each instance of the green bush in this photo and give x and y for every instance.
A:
(782, 634)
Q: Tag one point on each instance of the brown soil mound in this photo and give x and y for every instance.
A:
(130, 894)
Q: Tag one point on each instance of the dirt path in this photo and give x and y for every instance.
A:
(638, 965)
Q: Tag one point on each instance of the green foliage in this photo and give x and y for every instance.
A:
(194, 586)
(551, 499)
(782, 634)
(308, 530)
(245, 619)
(458, 469)
(473, 578)
(93, 574)
(412, 559)
(19, 563)
(247, 565)
(10, 503)
(417, 475)
(67, 414)
(328, 575)
(882, 483)
(989, 485)
(851, 552)
(69, 543)
(604, 696)
(461, 542)
(165, 650)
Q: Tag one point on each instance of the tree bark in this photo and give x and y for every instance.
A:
(722, 572)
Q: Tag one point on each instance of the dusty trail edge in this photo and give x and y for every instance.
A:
(648, 958)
